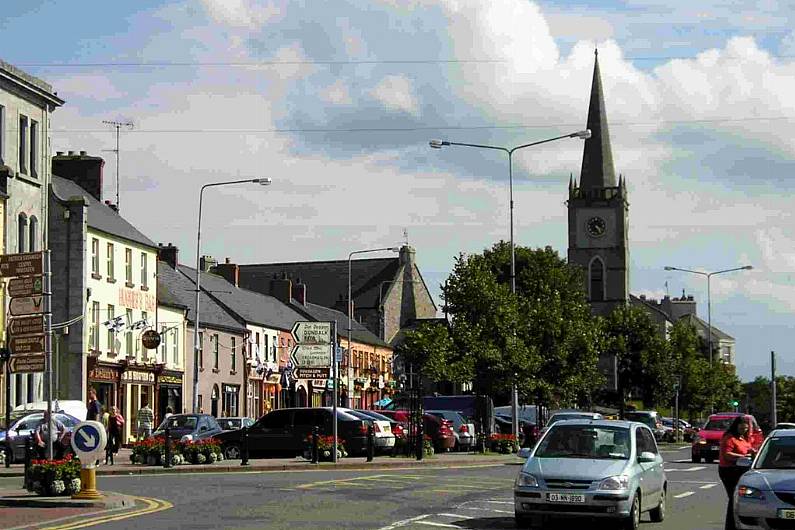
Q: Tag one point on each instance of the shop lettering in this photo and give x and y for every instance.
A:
(138, 377)
(102, 374)
(171, 379)
(136, 299)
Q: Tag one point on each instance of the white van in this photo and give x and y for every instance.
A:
(73, 407)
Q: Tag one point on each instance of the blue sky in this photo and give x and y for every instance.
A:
(336, 101)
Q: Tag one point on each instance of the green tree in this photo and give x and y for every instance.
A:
(428, 350)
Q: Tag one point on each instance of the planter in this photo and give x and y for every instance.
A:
(73, 486)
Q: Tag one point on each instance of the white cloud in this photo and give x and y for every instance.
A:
(95, 87)
(243, 14)
(395, 92)
(336, 93)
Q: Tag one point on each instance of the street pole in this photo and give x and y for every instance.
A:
(47, 294)
(676, 413)
(334, 404)
(773, 411)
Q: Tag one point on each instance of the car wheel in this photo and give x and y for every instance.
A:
(232, 452)
(658, 514)
(633, 521)
(695, 459)
(523, 521)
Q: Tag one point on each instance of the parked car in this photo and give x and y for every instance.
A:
(73, 407)
(463, 431)
(23, 425)
(188, 427)
(594, 469)
(440, 430)
(687, 430)
(706, 443)
(382, 429)
(649, 418)
(764, 496)
(284, 432)
(395, 427)
(785, 425)
(232, 424)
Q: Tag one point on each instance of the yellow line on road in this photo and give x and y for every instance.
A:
(152, 506)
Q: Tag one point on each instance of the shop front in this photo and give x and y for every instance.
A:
(169, 393)
(104, 378)
(138, 387)
(271, 390)
(318, 389)
(230, 400)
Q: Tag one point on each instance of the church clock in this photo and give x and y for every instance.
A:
(596, 226)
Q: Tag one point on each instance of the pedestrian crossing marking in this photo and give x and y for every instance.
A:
(708, 486)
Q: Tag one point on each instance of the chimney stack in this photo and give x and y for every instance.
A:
(168, 254)
(83, 170)
(206, 263)
(281, 288)
(230, 271)
(299, 292)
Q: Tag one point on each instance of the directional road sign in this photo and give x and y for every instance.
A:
(311, 355)
(88, 441)
(23, 326)
(305, 332)
(27, 305)
(25, 264)
(27, 345)
(26, 364)
(312, 373)
(27, 286)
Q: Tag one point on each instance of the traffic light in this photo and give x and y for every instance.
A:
(735, 403)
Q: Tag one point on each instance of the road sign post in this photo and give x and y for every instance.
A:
(88, 442)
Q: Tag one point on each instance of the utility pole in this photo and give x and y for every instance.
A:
(773, 414)
(118, 125)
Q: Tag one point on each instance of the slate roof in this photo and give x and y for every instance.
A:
(252, 307)
(326, 281)
(412, 325)
(100, 216)
(700, 324)
(359, 333)
(176, 287)
(648, 306)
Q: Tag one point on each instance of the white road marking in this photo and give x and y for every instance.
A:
(484, 509)
(405, 522)
(694, 468)
(684, 447)
(441, 525)
(498, 502)
(455, 515)
(683, 495)
(708, 486)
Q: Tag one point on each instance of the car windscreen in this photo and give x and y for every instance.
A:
(228, 424)
(777, 453)
(719, 424)
(181, 423)
(585, 441)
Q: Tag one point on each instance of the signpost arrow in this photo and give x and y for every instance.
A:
(27, 286)
(311, 355)
(26, 364)
(27, 345)
(306, 332)
(22, 326)
(24, 264)
(28, 305)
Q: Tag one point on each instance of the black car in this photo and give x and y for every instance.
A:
(189, 427)
(284, 432)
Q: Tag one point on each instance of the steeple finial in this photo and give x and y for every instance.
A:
(597, 157)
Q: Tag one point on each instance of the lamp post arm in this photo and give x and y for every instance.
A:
(542, 142)
(728, 270)
(481, 146)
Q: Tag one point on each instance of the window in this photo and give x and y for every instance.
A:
(111, 265)
(201, 350)
(2, 134)
(234, 354)
(597, 282)
(95, 256)
(175, 347)
(33, 232)
(23, 143)
(22, 232)
(128, 265)
(34, 148)
(215, 352)
(111, 333)
(278, 419)
(163, 343)
(265, 351)
(94, 331)
(129, 337)
(199, 402)
(257, 350)
(138, 345)
(143, 270)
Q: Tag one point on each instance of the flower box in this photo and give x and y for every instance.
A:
(52, 478)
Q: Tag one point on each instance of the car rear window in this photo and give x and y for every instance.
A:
(718, 424)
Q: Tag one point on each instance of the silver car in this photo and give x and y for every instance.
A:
(765, 495)
(590, 469)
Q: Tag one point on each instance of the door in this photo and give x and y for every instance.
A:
(24, 430)
(272, 434)
(651, 472)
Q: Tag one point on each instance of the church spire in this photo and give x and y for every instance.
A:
(597, 158)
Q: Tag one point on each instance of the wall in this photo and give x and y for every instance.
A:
(210, 377)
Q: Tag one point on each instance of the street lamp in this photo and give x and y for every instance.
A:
(350, 313)
(438, 144)
(264, 181)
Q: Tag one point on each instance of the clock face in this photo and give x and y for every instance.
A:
(596, 226)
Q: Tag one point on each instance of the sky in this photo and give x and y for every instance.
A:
(336, 102)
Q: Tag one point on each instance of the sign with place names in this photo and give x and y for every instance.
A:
(27, 286)
(27, 305)
(24, 264)
(136, 376)
(305, 332)
(303, 372)
(311, 355)
(23, 326)
(27, 363)
(27, 345)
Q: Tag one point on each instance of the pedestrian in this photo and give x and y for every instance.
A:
(115, 429)
(94, 407)
(145, 418)
(105, 417)
(734, 445)
(42, 433)
(169, 412)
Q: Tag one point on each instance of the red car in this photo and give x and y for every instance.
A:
(440, 430)
(706, 443)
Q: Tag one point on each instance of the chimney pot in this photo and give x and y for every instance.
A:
(228, 260)
(71, 153)
(83, 153)
(59, 153)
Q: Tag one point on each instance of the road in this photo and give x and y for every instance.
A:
(478, 496)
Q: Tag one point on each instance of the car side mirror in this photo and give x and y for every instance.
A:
(646, 457)
(524, 452)
(745, 461)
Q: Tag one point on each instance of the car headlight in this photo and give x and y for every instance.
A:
(527, 480)
(699, 439)
(619, 482)
(747, 492)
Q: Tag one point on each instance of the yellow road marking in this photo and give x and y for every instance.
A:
(152, 506)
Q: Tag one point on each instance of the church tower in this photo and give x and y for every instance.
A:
(598, 213)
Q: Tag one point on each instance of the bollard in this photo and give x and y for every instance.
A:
(9, 456)
(370, 443)
(244, 447)
(420, 441)
(167, 459)
(314, 445)
(28, 457)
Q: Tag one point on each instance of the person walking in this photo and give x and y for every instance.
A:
(94, 412)
(169, 412)
(42, 434)
(734, 445)
(115, 429)
(145, 418)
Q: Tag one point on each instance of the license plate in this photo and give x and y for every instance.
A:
(565, 497)
(715, 448)
(386, 428)
(786, 514)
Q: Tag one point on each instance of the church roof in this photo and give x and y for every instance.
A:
(597, 157)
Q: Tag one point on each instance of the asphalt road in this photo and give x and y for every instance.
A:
(478, 496)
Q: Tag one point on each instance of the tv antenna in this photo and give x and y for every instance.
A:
(118, 125)
(406, 236)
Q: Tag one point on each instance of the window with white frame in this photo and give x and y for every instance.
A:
(234, 353)
(111, 333)
(163, 343)
(129, 335)
(34, 148)
(111, 266)
(144, 279)
(95, 256)
(23, 144)
(175, 347)
(2, 134)
(93, 332)
(128, 267)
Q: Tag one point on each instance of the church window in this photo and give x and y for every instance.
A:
(596, 280)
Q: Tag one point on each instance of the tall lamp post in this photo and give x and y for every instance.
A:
(438, 144)
(709, 275)
(350, 314)
(264, 181)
